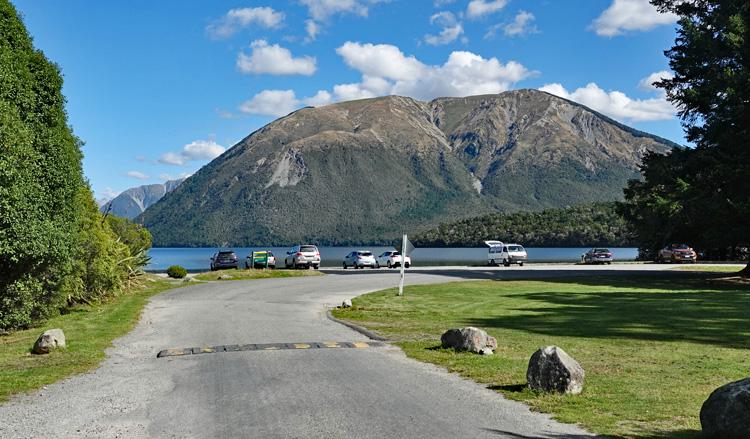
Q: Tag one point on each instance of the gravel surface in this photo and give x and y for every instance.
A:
(315, 393)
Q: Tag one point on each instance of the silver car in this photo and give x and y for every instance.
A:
(359, 259)
(305, 255)
(598, 256)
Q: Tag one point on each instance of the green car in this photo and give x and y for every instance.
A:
(261, 259)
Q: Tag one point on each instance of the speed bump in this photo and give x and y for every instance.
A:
(179, 352)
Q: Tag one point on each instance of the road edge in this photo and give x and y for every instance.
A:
(362, 330)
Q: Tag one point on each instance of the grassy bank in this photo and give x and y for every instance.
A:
(653, 349)
(242, 274)
(89, 330)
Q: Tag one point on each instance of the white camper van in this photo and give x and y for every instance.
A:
(506, 254)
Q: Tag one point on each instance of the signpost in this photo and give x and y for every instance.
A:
(406, 249)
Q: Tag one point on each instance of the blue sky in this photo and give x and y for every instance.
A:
(156, 89)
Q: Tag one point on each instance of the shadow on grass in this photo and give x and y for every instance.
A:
(685, 434)
(512, 388)
(694, 310)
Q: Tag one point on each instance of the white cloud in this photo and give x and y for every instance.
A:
(321, 98)
(321, 10)
(271, 103)
(521, 25)
(441, 3)
(380, 60)
(107, 194)
(195, 150)
(386, 70)
(274, 60)
(479, 8)
(137, 175)
(236, 19)
(313, 29)
(630, 15)
(616, 104)
(452, 29)
(647, 83)
(279, 103)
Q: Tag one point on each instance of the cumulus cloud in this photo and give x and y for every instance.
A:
(387, 70)
(647, 83)
(321, 10)
(521, 25)
(451, 29)
(137, 175)
(236, 19)
(616, 104)
(480, 8)
(630, 15)
(195, 150)
(279, 103)
(274, 60)
(107, 194)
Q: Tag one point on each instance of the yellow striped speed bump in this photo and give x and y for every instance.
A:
(179, 352)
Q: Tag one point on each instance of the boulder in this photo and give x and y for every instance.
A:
(726, 413)
(49, 340)
(469, 339)
(553, 370)
(225, 277)
(347, 303)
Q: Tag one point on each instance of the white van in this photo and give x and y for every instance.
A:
(506, 254)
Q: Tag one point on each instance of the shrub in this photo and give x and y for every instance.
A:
(176, 272)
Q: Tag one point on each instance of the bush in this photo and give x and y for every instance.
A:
(132, 234)
(176, 272)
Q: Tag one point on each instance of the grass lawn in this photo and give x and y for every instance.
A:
(729, 268)
(89, 330)
(246, 274)
(653, 348)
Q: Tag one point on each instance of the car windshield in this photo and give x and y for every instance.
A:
(395, 254)
(308, 249)
(601, 250)
(515, 248)
(680, 247)
(226, 254)
(365, 253)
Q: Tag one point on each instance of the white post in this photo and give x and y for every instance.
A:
(403, 263)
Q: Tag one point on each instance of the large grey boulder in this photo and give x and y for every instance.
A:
(347, 303)
(553, 370)
(726, 413)
(469, 339)
(48, 341)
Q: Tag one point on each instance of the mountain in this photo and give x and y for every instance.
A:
(367, 170)
(132, 202)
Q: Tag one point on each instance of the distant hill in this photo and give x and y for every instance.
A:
(596, 224)
(132, 202)
(365, 171)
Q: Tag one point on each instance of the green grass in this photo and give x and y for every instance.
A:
(241, 274)
(89, 330)
(729, 268)
(653, 348)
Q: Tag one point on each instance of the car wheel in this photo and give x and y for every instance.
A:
(344, 265)
(506, 263)
(520, 264)
(390, 265)
(377, 264)
(407, 265)
(492, 262)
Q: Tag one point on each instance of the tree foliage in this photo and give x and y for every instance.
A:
(702, 195)
(55, 247)
(595, 224)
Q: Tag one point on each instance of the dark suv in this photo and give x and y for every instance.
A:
(224, 259)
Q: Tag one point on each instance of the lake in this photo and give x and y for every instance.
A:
(198, 258)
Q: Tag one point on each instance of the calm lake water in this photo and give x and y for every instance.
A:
(198, 258)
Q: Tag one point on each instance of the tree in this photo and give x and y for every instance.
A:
(702, 194)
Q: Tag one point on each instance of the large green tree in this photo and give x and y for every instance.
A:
(40, 178)
(702, 194)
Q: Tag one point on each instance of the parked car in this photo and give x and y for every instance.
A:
(391, 259)
(677, 253)
(305, 255)
(359, 259)
(506, 254)
(258, 260)
(598, 256)
(224, 259)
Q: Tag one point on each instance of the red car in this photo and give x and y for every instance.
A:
(677, 253)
